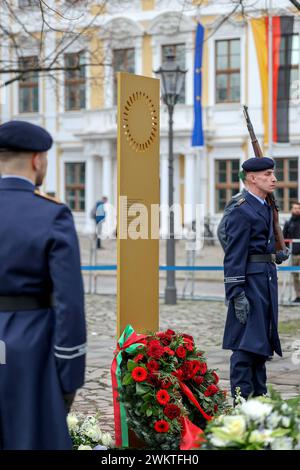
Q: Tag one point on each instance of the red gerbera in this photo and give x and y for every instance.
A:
(180, 352)
(152, 365)
(211, 390)
(172, 411)
(139, 374)
(161, 426)
(162, 397)
(138, 358)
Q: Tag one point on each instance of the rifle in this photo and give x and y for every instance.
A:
(280, 245)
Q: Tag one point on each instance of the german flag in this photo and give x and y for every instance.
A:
(284, 52)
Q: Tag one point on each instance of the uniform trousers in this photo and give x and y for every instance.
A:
(248, 372)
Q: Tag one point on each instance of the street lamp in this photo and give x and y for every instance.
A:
(172, 78)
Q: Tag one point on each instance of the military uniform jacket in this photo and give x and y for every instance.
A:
(45, 348)
(249, 229)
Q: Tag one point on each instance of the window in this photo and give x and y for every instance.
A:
(28, 3)
(176, 51)
(228, 71)
(29, 86)
(286, 171)
(75, 95)
(75, 185)
(227, 181)
(289, 65)
(123, 61)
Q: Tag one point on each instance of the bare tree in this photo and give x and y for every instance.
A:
(46, 30)
(35, 35)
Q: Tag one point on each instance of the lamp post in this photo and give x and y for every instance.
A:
(172, 78)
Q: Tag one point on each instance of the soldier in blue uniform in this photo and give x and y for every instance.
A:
(251, 282)
(42, 320)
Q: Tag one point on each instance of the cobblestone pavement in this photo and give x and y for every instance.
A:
(202, 319)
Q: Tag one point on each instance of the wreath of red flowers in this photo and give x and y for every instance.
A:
(166, 384)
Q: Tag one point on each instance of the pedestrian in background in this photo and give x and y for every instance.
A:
(292, 230)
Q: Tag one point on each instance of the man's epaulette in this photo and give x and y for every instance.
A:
(240, 202)
(46, 196)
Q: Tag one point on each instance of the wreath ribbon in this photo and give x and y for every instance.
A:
(129, 341)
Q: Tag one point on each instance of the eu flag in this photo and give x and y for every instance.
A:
(198, 139)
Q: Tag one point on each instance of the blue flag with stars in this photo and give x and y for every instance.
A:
(198, 138)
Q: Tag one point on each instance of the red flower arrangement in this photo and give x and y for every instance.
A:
(167, 388)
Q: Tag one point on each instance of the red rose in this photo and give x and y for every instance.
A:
(169, 351)
(196, 367)
(166, 384)
(170, 332)
(153, 343)
(172, 411)
(139, 358)
(216, 377)
(180, 352)
(188, 337)
(162, 397)
(189, 346)
(152, 379)
(139, 374)
(161, 426)
(165, 338)
(211, 390)
(203, 368)
(198, 380)
(178, 373)
(155, 350)
(152, 365)
(187, 369)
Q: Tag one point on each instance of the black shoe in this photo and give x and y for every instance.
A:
(296, 300)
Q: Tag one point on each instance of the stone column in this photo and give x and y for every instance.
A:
(189, 189)
(89, 193)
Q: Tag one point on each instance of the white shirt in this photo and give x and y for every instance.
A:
(262, 201)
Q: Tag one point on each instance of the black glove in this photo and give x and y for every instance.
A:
(68, 399)
(241, 308)
(282, 255)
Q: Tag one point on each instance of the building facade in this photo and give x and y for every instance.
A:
(80, 109)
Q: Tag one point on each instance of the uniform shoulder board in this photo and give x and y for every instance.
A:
(237, 196)
(240, 202)
(46, 196)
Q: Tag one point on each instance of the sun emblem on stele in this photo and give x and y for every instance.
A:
(140, 121)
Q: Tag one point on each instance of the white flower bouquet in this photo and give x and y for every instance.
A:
(262, 423)
(86, 433)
